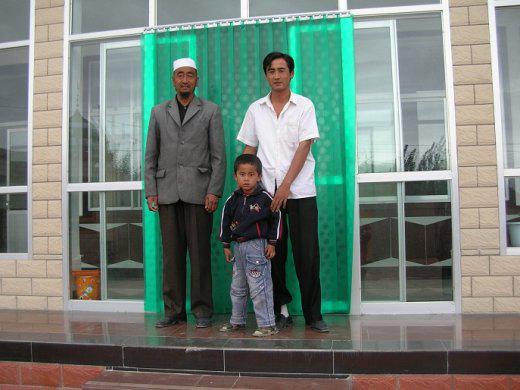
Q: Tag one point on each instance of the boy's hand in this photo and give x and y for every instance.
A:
(270, 251)
(229, 254)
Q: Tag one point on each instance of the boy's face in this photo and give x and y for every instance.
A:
(247, 177)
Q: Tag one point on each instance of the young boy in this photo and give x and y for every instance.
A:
(248, 220)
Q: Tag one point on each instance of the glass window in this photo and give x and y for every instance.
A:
(102, 15)
(513, 211)
(13, 223)
(405, 241)
(105, 112)
(358, 4)
(281, 7)
(14, 20)
(427, 214)
(508, 40)
(105, 236)
(400, 95)
(13, 116)
(187, 11)
(379, 242)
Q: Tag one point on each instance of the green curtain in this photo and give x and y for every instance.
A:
(229, 58)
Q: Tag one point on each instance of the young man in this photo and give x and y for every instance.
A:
(184, 177)
(280, 128)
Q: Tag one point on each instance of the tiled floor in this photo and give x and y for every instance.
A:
(420, 344)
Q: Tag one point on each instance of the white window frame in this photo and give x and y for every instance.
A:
(502, 173)
(26, 189)
(356, 306)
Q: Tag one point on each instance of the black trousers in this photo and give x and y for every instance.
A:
(184, 227)
(302, 215)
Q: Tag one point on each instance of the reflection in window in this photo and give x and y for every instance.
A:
(105, 112)
(13, 223)
(427, 215)
(379, 242)
(400, 95)
(358, 4)
(187, 11)
(105, 233)
(513, 211)
(14, 20)
(508, 33)
(102, 15)
(406, 241)
(281, 7)
(13, 116)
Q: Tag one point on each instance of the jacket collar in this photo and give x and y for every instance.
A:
(258, 189)
(193, 108)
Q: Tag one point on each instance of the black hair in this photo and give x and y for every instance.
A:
(276, 55)
(250, 159)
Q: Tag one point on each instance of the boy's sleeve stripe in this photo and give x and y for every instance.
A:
(222, 215)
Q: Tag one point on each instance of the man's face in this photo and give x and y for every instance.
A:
(185, 80)
(278, 75)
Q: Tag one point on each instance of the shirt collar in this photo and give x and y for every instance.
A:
(267, 99)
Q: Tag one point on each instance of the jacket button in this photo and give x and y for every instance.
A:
(182, 142)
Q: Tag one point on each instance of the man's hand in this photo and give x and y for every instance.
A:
(211, 202)
(280, 197)
(153, 204)
(229, 254)
(270, 251)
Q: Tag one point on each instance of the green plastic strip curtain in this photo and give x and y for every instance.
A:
(229, 58)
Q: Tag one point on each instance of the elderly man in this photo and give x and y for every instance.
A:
(184, 178)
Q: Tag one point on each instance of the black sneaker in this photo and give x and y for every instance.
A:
(203, 322)
(319, 326)
(169, 321)
(283, 322)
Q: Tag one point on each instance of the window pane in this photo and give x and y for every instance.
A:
(428, 241)
(105, 235)
(102, 15)
(375, 100)
(13, 116)
(379, 242)
(14, 20)
(513, 211)
(105, 121)
(186, 11)
(422, 90)
(508, 38)
(353, 4)
(13, 223)
(281, 7)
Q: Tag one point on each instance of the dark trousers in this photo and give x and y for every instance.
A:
(186, 226)
(302, 215)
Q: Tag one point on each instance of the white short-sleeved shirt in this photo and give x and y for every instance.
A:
(277, 139)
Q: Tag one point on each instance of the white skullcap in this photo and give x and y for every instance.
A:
(184, 62)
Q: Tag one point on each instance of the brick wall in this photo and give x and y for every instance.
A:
(37, 283)
(488, 281)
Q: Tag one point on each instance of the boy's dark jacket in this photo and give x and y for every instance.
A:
(247, 217)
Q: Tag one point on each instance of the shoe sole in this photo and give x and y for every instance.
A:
(320, 330)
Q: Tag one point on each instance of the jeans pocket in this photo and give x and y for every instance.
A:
(256, 270)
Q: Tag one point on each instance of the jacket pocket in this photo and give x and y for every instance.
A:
(160, 173)
(203, 169)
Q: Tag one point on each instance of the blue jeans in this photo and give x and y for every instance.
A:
(252, 277)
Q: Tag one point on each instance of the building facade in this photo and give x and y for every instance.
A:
(437, 107)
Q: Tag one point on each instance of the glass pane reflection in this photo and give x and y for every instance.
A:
(428, 241)
(105, 233)
(379, 242)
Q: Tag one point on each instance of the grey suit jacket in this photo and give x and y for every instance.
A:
(185, 161)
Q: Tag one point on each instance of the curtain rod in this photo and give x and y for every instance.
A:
(246, 21)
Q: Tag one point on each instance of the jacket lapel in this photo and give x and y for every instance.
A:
(173, 110)
(193, 108)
